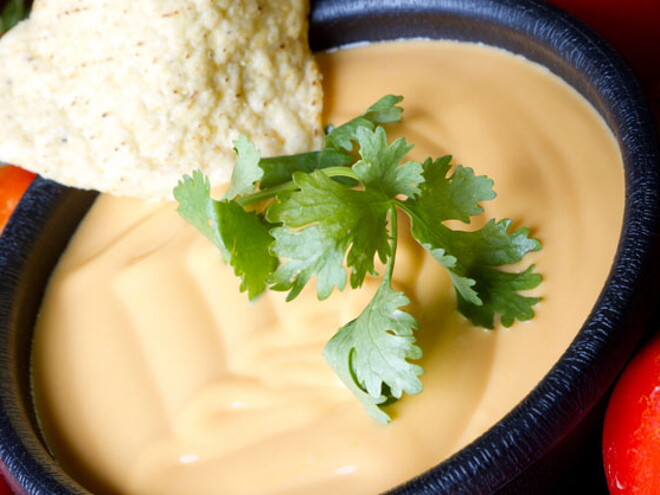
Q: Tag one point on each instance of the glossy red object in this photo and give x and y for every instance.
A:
(13, 183)
(631, 434)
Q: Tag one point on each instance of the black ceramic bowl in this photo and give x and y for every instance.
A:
(525, 451)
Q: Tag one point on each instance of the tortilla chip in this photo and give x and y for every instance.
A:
(125, 97)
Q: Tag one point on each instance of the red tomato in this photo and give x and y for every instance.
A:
(13, 183)
(631, 434)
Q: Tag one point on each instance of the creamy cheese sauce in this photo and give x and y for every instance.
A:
(154, 375)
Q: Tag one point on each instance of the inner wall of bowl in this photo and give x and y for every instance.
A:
(33, 241)
(36, 238)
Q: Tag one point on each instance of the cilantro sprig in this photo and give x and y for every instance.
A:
(330, 214)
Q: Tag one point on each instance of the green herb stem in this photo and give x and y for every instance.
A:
(271, 192)
(393, 240)
(340, 172)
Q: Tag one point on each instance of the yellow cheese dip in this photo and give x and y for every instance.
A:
(154, 375)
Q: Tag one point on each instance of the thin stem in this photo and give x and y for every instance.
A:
(340, 172)
(393, 245)
(266, 193)
(291, 186)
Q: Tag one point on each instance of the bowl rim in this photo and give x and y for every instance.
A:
(576, 383)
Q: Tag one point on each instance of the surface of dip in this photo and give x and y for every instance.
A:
(154, 375)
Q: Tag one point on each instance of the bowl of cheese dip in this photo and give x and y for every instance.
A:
(125, 389)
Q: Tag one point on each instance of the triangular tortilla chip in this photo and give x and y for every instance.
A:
(126, 96)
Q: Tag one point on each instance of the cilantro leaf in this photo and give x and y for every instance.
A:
(242, 237)
(196, 207)
(470, 257)
(493, 245)
(246, 168)
(13, 13)
(280, 169)
(383, 111)
(454, 197)
(321, 222)
(464, 286)
(499, 294)
(370, 353)
(380, 167)
(246, 237)
(483, 250)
